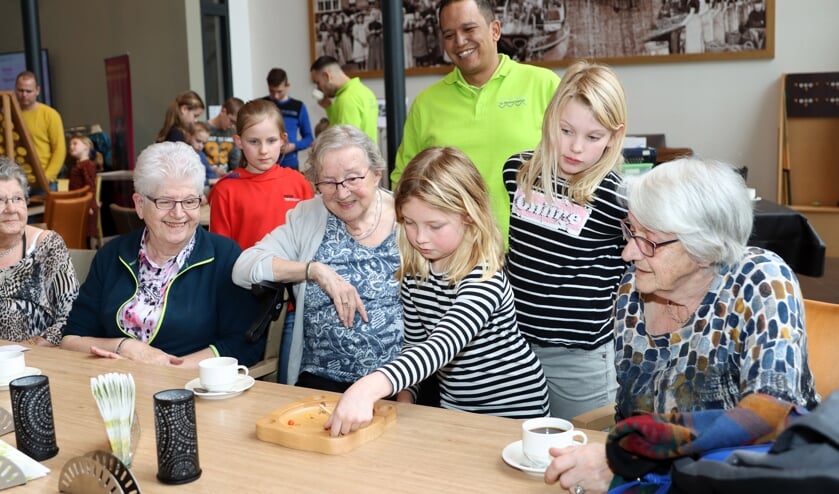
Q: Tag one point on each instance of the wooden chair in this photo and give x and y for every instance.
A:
(99, 235)
(274, 301)
(49, 202)
(81, 259)
(69, 219)
(821, 321)
(125, 219)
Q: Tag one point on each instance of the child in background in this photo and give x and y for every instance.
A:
(565, 237)
(84, 173)
(222, 153)
(197, 138)
(322, 125)
(180, 115)
(250, 201)
(459, 314)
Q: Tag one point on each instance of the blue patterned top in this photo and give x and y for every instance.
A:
(346, 354)
(746, 336)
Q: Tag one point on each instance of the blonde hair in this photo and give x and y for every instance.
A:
(597, 87)
(446, 179)
(86, 141)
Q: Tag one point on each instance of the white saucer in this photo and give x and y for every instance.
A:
(514, 457)
(28, 371)
(243, 383)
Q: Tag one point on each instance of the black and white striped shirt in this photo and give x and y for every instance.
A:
(469, 332)
(564, 282)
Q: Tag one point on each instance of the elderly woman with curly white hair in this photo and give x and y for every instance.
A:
(701, 320)
(164, 294)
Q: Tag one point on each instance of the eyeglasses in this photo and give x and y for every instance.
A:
(169, 204)
(14, 200)
(645, 245)
(351, 183)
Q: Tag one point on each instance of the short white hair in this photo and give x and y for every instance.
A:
(705, 203)
(165, 161)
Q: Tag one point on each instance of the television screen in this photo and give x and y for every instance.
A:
(12, 64)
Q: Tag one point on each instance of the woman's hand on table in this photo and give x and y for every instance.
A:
(355, 408)
(138, 352)
(585, 466)
(343, 295)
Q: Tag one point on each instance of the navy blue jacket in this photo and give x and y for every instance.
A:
(203, 307)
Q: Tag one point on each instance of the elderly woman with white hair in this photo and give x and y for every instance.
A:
(701, 320)
(164, 294)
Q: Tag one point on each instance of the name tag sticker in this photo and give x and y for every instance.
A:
(560, 215)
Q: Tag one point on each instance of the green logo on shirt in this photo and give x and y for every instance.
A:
(512, 103)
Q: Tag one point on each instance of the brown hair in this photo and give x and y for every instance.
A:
(191, 100)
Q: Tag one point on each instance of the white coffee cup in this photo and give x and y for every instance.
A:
(538, 436)
(220, 373)
(12, 364)
(318, 94)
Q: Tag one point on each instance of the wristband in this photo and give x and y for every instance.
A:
(119, 345)
(307, 271)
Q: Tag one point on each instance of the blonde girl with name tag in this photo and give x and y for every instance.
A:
(565, 237)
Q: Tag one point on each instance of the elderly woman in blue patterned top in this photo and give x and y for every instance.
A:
(702, 320)
(37, 281)
(339, 252)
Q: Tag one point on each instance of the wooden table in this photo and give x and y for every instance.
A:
(428, 450)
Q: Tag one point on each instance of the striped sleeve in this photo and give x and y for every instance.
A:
(468, 335)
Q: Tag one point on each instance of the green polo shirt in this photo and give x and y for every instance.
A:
(356, 105)
(489, 124)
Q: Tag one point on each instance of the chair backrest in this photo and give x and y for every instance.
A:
(49, 202)
(69, 219)
(81, 259)
(821, 320)
(125, 219)
(274, 301)
(98, 195)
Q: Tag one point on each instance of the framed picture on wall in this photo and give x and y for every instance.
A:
(554, 33)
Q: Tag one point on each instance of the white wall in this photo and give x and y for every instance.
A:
(725, 110)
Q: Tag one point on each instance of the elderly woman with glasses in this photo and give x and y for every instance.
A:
(164, 294)
(37, 281)
(339, 252)
(702, 320)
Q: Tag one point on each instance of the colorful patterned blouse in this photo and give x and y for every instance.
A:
(746, 336)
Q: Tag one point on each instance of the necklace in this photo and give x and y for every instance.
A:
(4, 253)
(671, 311)
(363, 235)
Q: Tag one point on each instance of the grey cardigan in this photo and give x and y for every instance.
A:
(297, 240)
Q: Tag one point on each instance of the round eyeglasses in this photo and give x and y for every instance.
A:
(645, 245)
(331, 187)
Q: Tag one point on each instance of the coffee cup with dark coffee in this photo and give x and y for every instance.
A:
(538, 436)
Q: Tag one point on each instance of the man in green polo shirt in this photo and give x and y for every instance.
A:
(347, 101)
(489, 106)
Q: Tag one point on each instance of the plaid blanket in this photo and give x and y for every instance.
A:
(649, 442)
